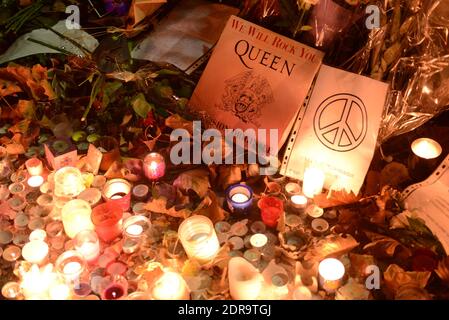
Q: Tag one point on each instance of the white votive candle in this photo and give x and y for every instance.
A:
(331, 272)
(313, 182)
(258, 240)
(426, 148)
(35, 251)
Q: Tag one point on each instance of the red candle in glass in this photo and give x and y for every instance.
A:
(118, 192)
(271, 209)
(116, 288)
(106, 218)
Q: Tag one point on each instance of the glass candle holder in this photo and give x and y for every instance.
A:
(71, 265)
(424, 158)
(313, 182)
(319, 226)
(76, 217)
(35, 251)
(198, 237)
(107, 221)
(114, 288)
(292, 188)
(271, 209)
(11, 253)
(331, 272)
(17, 188)
(34, 182)
(91, 195)
(17, 203)
(34, 167)
(170, 286)
(87, 244)
(239, 198)
(118, 193)
(154, 166)
(68, 182)
(140, 192)
(12, 291)
(314, 212)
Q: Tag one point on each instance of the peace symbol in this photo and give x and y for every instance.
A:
(341, 122)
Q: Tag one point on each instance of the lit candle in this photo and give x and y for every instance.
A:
(313, 182)
(271, 209)
(135, 226)
(134, 230)
(36, 282)
(87, 244)
(170, 286)
(426, 148)
(245, 281)
(38, 235)
(424, 158)
(70, 265)
(107, 219)
(198, 237)
(298, 202)
(60, 291)
(34, 166)
(35, 251)
(331, 272)
(116, 289)
(68, 182)
(154, 166)
(11, 290)
(35, 181)
(76, 217)
(118, 193)
(258, 240)
(239, 198)
(140, 192)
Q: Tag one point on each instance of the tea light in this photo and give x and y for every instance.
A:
(38, 235)
(11, 290)
(292, 220)
(298, 202)
(16, 188)
(135, 226)
(19, 176)
(258, 240)
(35, 181)
(60, 291)
(87, 244)
(76, 217)
(292, 188)
(4, 192)
(199, 239)
(70, 265)
(36, 282)
(154, 166)
(313, 182)
(21, 221)
(118, 193)
(239, 198)
(107, 219)
(68, 182)
(11, 253)
(236, 243)
(314, 211)
(258, 227)
(424, 158)
(17, 203)
(5, 236)
(91, 196)
(319, 226)
(35, 251)
(140, 192)
(331, 272)
(170, 286)
(34, 167)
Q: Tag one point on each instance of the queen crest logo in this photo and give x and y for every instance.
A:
(246, 95)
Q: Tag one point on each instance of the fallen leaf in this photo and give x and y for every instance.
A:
(330, 246)
(26, 109)
(394, 174)
(211, 208)
(159, 205)
(8, 88)
(383, 245)
(196, 180)
(177, 122)
(15, 148)
(228, 175)
(396, 277)
(335, 198)
(114, 171)
(271, 186)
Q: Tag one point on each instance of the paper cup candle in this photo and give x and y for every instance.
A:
(68, 182)
(76, 217)
(245, 281)
(198, 237)
(313, 182)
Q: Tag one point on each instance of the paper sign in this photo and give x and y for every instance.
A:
(337, 130)
(255, 79)
(93, 159)
(60, 153)
(430, 201)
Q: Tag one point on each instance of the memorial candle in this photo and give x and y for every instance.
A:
(198, 237)
(424, 158)
(313, 182)
(331, 272)
(107, 221)
(170, 286)
(34, 166)
(76, 217)
(88, 245)
(118, 193)
(239, 198)
(35, 181)
(154, 166)
(68, 182)
(35, 251)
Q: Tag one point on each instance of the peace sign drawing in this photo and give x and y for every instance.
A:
(341, 122)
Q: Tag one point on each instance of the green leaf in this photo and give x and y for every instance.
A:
(306, 28)
(140, 105)
(108, 92)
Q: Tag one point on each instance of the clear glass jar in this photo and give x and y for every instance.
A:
(68, 182)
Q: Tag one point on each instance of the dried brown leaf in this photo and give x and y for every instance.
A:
(335, 198)
(396, 277)
(383, 245)
(196, 180)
